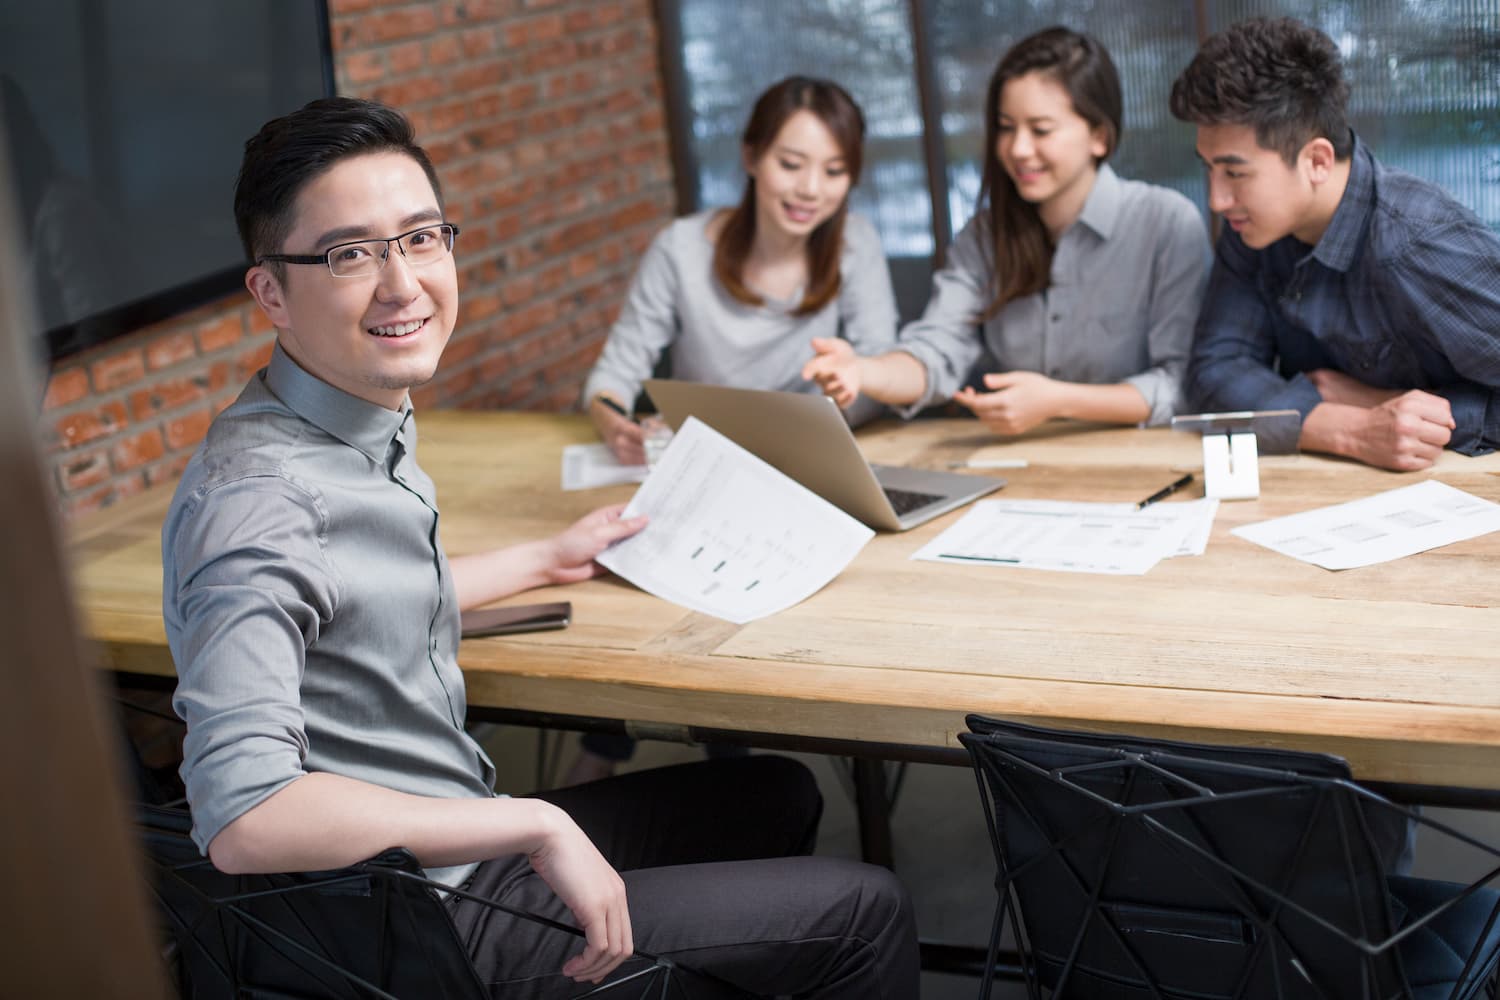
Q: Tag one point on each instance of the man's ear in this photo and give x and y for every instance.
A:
(266, 289)
(1318, 159)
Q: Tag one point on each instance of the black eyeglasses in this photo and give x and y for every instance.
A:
(420, 247)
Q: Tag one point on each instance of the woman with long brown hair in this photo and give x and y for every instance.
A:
(733, 296)
(1076, 289)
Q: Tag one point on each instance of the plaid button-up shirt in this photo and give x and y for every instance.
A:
(1402, 292)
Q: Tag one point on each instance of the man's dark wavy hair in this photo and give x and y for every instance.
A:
(1281, 77)
(289, 152)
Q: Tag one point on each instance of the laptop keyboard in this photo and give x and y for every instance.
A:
(906, 501)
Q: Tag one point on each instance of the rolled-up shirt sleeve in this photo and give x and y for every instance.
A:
(946, 339)
(1179, 271)
(247, 589)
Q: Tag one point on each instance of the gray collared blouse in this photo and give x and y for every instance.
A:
(1126, 283)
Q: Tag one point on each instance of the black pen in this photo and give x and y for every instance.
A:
(613, 406)
(1165, 492)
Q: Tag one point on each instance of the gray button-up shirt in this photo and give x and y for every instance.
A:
(309, 606)
(1126, 283)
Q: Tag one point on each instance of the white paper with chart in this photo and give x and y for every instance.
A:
(729, 535)
(1379, 528)
(1074, 537)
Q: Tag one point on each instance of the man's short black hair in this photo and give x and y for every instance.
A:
(289, 152)
(1283, 78)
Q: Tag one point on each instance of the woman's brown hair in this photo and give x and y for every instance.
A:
(1014, 236)
(837, 111)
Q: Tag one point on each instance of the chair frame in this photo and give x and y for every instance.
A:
(393, 881)
(1335, 798)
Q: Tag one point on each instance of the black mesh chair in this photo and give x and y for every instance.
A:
(1131, 868)
(376, 929)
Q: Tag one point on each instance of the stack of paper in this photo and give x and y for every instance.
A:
(585, 466)
(1376, 529)
(729, 535)
(1074, 537)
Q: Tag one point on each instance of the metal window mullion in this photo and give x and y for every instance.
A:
(674, 82)
(933, 154)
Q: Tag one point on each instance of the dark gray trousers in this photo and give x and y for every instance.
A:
(713, 855)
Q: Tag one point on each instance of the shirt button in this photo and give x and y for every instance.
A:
(434, 645)
(1057, 317)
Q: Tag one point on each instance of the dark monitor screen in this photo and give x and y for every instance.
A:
(124, 124)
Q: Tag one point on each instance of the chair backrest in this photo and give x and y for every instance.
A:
(1150, 868)
(359, 932)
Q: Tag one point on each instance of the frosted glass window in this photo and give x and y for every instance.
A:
(733, 51)
(1425, 76)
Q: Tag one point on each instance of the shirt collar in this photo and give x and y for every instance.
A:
(1341, 240)
(1102, 207)
(354, 421)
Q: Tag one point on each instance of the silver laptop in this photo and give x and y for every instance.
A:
(805, 437)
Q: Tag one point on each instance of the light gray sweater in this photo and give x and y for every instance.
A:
(678, 307)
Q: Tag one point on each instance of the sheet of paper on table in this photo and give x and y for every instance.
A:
(585, 466)
(1379, 528)
(1115, 538)
(729, 535)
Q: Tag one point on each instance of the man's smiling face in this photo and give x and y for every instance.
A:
(375, 335)
(1259, 194)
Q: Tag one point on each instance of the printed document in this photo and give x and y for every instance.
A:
(585, 466)
(1380, 528)
(1115, 538)
(729, 535)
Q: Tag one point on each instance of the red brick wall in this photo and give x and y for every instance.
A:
(545, 119)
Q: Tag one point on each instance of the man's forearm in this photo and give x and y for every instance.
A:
(322, 821)
(1404, 434)
(1331, 428)
(483, 577)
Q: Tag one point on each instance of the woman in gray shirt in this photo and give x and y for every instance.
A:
(735, 296)
(1082, 288)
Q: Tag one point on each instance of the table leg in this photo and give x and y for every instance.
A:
(873, 808)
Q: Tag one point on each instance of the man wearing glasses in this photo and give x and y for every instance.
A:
(313, 619)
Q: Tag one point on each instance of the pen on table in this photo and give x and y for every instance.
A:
(1165, 491)
(989, 463)
(613, 405)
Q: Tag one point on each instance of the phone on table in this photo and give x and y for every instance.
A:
(516, 618)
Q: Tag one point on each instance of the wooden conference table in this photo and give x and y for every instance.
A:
(1395, 667)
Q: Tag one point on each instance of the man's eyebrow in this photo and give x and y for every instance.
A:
(348, 234)
(1227, 159)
